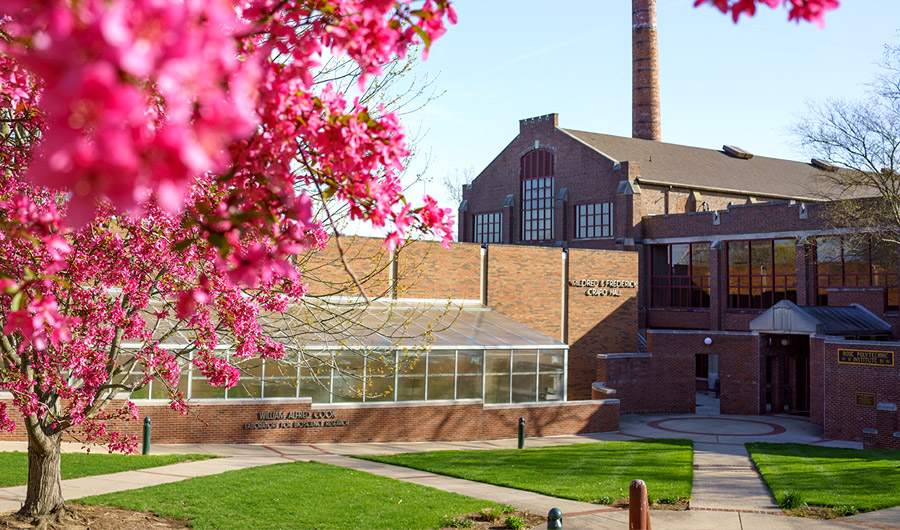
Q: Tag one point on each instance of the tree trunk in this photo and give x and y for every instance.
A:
(44, 495)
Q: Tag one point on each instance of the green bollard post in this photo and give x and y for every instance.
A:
(521, 433)
(146, 435)
(554, 519)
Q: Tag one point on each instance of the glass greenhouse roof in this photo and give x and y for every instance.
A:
(403, 324)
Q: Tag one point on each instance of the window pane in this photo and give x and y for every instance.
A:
(470, 362)
(440, 387)
(524, 388)
(700, 259)
(738, 258)
(550, 387)
(551, 361)
(761, 257)
(525, 361)
(410, 388)
(317, 389)
(785, 256)
(441, 362)
(497, 361)
(468, 386)
(278, 388)
(347, 388)
(681, 259)
(410, 363)
(496, 389)
(660, 260)
(381, 388)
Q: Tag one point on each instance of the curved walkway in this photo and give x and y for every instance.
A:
(727, 491)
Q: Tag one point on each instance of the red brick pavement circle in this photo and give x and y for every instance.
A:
(776, 429)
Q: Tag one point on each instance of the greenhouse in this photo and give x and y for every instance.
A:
(392, 351)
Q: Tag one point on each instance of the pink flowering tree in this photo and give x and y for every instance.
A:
(160, 163)
(809, 10)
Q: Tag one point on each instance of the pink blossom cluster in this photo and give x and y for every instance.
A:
(119, 280)
(809, 10)
(150, 184)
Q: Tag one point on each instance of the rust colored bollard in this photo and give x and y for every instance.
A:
(638, 507)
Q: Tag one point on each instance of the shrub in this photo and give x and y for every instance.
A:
(491, 514)
(667, 500)
(845, 511)
(515, 523)
(791, 499)
(458, 522)
(507, 509)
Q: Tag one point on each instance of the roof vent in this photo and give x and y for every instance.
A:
(737, 152)
(822, 164)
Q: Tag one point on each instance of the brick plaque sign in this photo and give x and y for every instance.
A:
(865, 399)
(308, 418)
(603, 287)
(866, 357)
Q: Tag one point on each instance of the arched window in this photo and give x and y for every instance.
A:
(537, 195)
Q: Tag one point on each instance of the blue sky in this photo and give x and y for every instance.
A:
(721, 83)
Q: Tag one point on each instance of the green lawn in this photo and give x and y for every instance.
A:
(846, 479)
(297, 495)
(14, 465)
(590, 472)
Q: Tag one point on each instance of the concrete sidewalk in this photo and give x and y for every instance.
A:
(727, 490)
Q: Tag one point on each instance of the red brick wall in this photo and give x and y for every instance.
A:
(740, 371)
(525, 284)
(327, 276)
(427, 270)
(223, 422)
(872, 298)
(664, 381)
(675, 351)
(817, 380)
(678, 319)
(599, 324)
(844, 419)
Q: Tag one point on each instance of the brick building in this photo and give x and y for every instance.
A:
(509, 334)
(745, 286)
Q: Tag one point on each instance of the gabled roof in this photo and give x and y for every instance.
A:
(787, 317)
(694, 167)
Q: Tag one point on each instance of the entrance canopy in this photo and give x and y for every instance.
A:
(789, 318)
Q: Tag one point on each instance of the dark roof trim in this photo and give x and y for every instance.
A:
(642, 180)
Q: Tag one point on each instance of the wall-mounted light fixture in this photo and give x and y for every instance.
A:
(785, 341)
(707, 341)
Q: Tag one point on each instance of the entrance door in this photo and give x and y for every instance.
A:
(796, 376)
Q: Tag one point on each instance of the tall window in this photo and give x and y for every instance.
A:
(761, 273)
(594, 220)
(859, 261)
(679, 275)
(537, 195)
(487, 228)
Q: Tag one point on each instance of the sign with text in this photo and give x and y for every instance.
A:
(285, 420)
(603, 287)
(865, 399)
(866, 357)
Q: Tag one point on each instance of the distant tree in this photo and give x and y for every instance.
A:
(455, 180)
(859, 141)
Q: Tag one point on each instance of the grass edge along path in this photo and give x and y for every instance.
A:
(597, 472)
(299, 495)
(846, 481)
(14, 464)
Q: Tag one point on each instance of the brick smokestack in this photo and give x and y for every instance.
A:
(645, 71)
